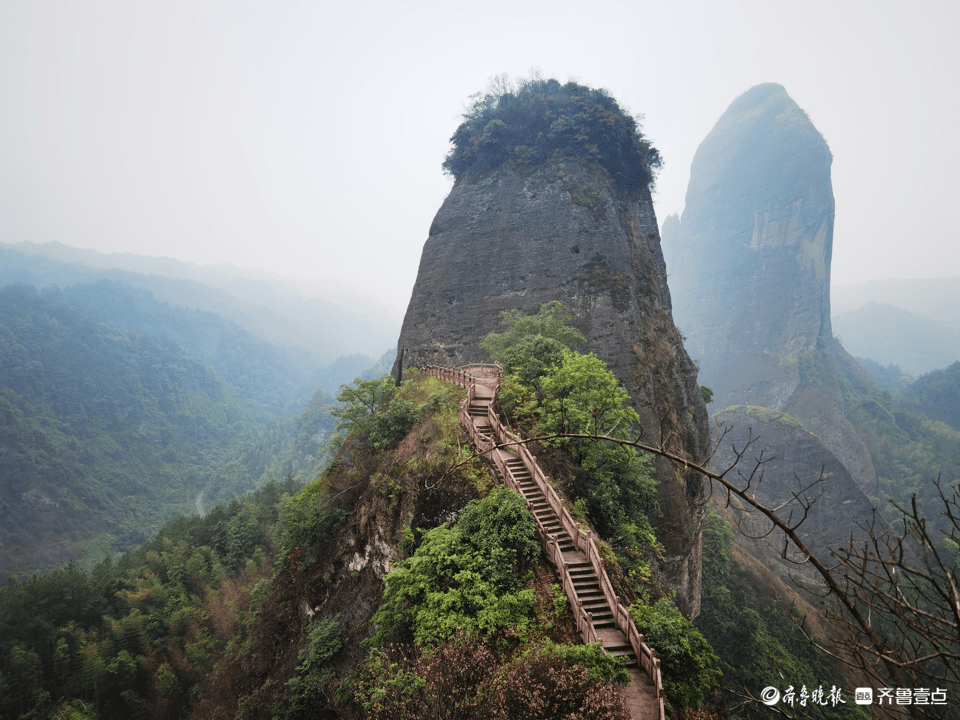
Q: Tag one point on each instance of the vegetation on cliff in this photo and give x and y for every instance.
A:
(464, 578)
(532, 121)
(548, 391)
(117, 411)
(258, 610)
(913, 436)
(756, 632)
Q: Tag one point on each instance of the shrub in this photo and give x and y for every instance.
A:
(547, 685)
(467, 578)
(691, 669)
(390, 426)
(308, 520)
(592, 657)
(314, 672)
(535, 120)
(465, 678)
(552, 321)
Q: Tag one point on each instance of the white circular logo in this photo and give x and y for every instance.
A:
(770, 696)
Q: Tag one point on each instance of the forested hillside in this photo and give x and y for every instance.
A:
(281, 606)
(117, 411)
(913, 435)
(320, 321)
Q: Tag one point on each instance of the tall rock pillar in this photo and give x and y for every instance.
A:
(749, 269)
(564, 230)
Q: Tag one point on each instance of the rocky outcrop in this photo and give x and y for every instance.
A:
(794, 464)
(565, 231)
(749, 269)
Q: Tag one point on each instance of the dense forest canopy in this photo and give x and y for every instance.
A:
(117, 411)
(532, 121)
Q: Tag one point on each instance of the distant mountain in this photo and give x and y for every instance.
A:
(936, 395)
(914, 324)
(748, 265)
(323, 321)
(935, 298)
(892, 335)
(117, 411)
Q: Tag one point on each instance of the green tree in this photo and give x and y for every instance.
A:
(536, 120)
(468, 578)
(615, 483)
(690, 667)
(551, 389)
(358, 403)
(581, 395)
(552, 321)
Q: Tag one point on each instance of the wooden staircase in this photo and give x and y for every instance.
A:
(599, 615)
(586, 583)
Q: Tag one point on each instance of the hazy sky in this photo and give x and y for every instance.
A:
(306, 137)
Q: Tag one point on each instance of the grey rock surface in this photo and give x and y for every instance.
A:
(564, 231)
(794, 463)
(749, 269)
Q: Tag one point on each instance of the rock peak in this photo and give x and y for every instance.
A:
(565, 230)
(764, 147)
(749, 265)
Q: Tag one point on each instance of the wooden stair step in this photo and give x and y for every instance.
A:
(597, 604)
(586, 586)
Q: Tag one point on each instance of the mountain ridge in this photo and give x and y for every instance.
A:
(273, 308)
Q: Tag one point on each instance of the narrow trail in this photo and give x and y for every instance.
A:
(573, 552)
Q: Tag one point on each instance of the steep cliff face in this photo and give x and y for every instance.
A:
(564, 230)
(749, 268)
(795, 464)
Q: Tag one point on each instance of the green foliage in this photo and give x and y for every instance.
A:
(308, 521)
(518, 402)
(373, 408)
(358, 403)
(76, 710)
(466, 578)
(552, 389)
(615, 482)
(598, 663)
(582, 396)
(707, 394)
(532, 357)
(756, 640)
(390, 426)
(552, 322)
(314, 673)
(387, 689)
(535, 120)
(690, 667)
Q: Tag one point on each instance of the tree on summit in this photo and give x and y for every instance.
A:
(535, 120)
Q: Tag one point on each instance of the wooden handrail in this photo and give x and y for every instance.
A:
(583, 541)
